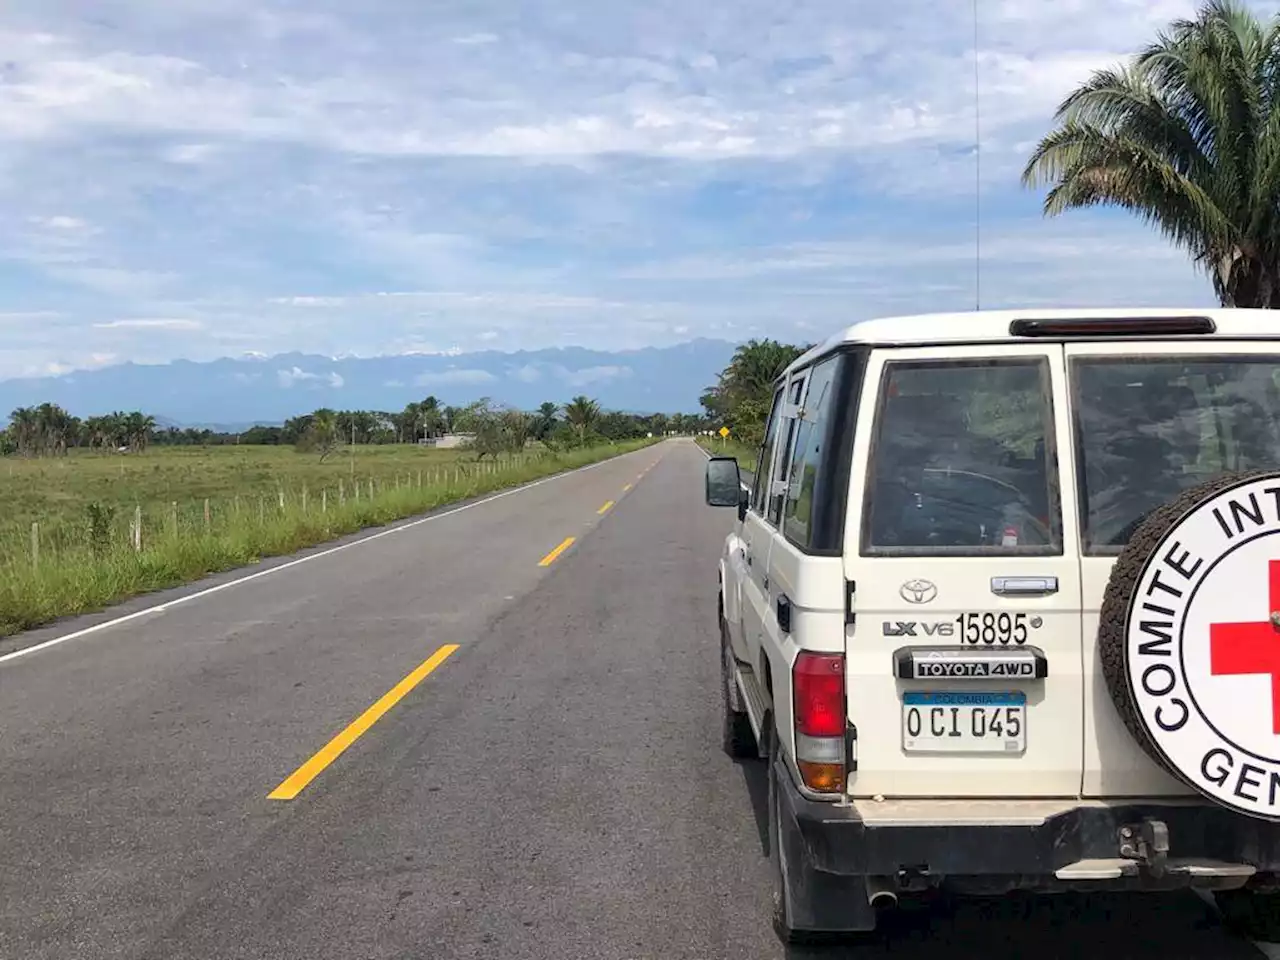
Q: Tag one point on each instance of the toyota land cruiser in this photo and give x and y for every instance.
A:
(1001, 611)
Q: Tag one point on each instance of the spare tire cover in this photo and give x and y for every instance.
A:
(1189, 639)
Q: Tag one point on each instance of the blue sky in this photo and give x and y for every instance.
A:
(204, 178)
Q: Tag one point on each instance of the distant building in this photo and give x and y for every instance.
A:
(448, 441)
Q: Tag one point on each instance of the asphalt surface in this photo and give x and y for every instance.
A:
(554, 789)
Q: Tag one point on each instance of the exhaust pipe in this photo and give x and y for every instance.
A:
(880, 892)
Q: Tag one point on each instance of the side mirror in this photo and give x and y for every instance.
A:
(724, 482)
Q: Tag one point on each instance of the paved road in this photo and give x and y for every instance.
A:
(554, 789)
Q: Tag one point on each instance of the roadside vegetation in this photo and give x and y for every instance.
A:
(94, 511)
(745, 455)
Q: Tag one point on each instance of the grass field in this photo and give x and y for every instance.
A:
(731, 448)
(69, 544)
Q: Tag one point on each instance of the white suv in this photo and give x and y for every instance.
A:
(1002, 611)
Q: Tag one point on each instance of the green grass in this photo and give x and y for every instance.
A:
(261, 502)
(731, 448)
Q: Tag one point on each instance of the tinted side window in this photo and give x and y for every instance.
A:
(766, 455)
(794, 391)
(961, 460)
(1149, 427)
(806, 457)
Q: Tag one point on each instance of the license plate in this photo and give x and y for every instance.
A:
(964, 722)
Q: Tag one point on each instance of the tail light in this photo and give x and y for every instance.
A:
(818, 712)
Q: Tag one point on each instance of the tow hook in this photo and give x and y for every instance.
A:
(1148, 843)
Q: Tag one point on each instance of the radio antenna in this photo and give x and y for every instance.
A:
(977, 173)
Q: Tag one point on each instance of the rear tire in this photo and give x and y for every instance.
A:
(783, 923)
(738, 740)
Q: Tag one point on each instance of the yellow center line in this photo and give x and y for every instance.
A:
(607, 505)
(298, 780)
(626, 488)
(550, 558)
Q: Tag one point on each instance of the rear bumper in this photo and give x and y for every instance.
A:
(1077, 845)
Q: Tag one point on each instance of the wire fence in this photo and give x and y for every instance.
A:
(73, 561)
(105, 527)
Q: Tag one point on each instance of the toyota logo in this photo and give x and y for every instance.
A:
(918, 591)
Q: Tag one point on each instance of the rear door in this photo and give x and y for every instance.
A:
(964, 658)
(1154, 419)
(757, 536)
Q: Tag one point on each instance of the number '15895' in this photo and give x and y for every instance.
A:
(992, 629)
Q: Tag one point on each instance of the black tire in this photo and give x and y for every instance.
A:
(1254, 915)
(781, 919)
(778, 915)
(737, 737)
(1113, 619)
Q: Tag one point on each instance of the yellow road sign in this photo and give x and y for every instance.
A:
(724, 431)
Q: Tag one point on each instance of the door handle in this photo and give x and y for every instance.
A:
(748, 556)
(1023, 586)
(784, 613)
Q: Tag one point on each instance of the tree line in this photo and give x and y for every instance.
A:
(49, 430)
(741, 397)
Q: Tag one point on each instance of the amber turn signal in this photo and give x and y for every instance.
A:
(822, 777)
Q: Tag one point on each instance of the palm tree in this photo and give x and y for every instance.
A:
(582, 413)
(544, 421)
(24, 425)
(138, 429)
(1187, 137)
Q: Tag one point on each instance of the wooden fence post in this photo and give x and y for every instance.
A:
(324, 500)
(137, 528)
(304, 500)
(35, 545)
(173, 516)
(207, 519)
(342, 493)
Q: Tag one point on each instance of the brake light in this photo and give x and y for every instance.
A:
(1113, 327)
(817, 710)
(818, 682)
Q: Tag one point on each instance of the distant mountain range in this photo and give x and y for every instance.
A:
(236, 393)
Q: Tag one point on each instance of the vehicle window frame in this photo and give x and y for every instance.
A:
(764, 470)
(1044, 365)
(1074, 364)
(819, 432)
(796, 390)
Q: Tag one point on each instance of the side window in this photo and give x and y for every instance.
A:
(806, 457)
(961, 460)
(795, 390)
(761, 490)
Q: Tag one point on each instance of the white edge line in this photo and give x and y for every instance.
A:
(168, 604)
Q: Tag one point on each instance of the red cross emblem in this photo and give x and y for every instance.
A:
(1251, 648)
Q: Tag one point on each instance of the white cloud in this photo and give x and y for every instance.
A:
(274, 178)
(454, 377)
(593, 375)
(295, 375)
(150, 323)
(529, 373)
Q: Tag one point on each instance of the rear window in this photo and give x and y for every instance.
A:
(1148, 428)
(959, 462)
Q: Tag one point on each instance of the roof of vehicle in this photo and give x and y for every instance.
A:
(992, 326)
